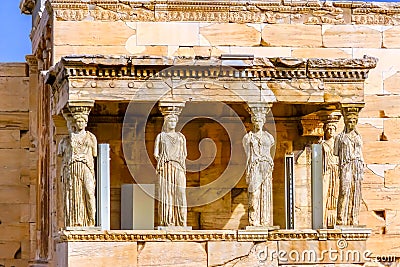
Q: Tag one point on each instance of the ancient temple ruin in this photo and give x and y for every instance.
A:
(113, 85)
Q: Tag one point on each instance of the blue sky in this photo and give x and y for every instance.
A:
(14, 31)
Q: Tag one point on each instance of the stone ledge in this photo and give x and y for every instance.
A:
(211, 235)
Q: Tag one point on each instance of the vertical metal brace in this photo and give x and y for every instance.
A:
(289, 190)
(103, 186)
(317, 186)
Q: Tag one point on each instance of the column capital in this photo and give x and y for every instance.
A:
(351, 109)
(258, 108)
(82, 107)
(171, 107)
(329, 116)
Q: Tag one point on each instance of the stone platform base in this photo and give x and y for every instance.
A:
(211, 248)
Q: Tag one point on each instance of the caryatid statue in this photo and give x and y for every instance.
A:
(79, 185)
(257, 145)
(170, 153)
(348, 147)
(330, 170)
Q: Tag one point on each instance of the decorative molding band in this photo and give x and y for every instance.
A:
(143, 68)
(273, 11)
(210, 235)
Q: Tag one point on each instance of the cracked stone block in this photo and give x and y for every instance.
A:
(99, 254)
(177, 254)
(222, 253)
(261, 254)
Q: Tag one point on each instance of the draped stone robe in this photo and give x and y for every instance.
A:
(78, 178)
(330, 182)
(171, 170)
(259, 177)
(348, 147)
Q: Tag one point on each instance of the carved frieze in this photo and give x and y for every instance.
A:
(211, 235)
(223, 11)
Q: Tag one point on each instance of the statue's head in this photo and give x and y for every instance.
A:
(258, 120)
(350, 121)
(170, 122)
(330, 129)
(80, 121)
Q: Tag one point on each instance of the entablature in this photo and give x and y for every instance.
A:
(230, 78)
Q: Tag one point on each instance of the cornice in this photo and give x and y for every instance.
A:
(143, 68)
(274, 12)
(211, 235)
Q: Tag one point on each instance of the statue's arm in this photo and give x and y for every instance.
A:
(184, 146)
(246, 144)
(157, 147)
(94, 145)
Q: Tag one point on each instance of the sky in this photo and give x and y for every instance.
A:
(14, 32)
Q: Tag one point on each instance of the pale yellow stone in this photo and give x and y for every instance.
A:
(14, 262)
(321, 53)
(67, 50)
(14, 194)
(391, 37)
(14, 231)
(231, 34)
(93, 33)
(391, 84)
(370, 128)
(292, 35)
(388, 64)
(392, 218)
(392, 177)
(381, 106)
(301, 91)
(262, 51)
(185, 52)
(392, 128)
(221, 205)
(10, 139)
(223, 221)
(11, 161)
(179, 254)
(381, 198)
(379, 152)
(100, 254)
(14, 97)
(11, 213)
(8, 249)
(261, 254)
(13, 70)
(351, 36)
(371, 179)
(223, 252)
(372, 221)
(167, 33)
(384, 245)
(146, 50)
